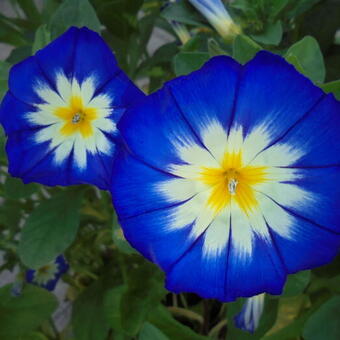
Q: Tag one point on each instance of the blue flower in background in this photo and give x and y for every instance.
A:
(61, 110)
(231, 178)
(216, 13)
(48, 275)
(249, 317)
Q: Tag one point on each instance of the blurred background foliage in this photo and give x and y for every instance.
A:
(113, 292)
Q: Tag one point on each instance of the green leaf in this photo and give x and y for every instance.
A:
(296, 283)
(30, 10)
(163, 320)
(215, 49)
(300, 7)
(10, 34)
(332, 87)
(181, 11)
(271, 36)
(23, 314)
(4, 68)
(42, 38)
(187, 62)
(120, 241)
(150, 332)
(309, 56)
(244, 48)
(324, 323)
(50, 229)
(16, 189)
(138, 299)
(112, 302)
(88, 315)
(10, 214)
(292, 59)
(77, 13)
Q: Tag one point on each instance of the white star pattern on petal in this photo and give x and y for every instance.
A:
(73, 119)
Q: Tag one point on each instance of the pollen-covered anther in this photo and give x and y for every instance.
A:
(79, 116)
(232, 184)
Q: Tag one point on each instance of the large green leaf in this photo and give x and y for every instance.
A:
(324, 323)
(309, 56)
(74, 13)
(88, 315)
(186, 62)
(22, 314)
(50, 228)
(244, 48)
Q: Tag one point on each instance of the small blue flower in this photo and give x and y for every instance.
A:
(231, 177)
(48, 275)
(61, 110)
(216, 13)
(249, 317)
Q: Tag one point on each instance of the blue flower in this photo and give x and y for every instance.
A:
(218, 16)
(231, 177)
(48, 275)
(61, 109)
(249, 317)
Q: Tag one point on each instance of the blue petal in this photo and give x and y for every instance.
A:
(311, 246)
(323, 210)
(208, 94)
(273, 94)
(145, 223)
(63, 266)
(78, 53)
(141, 180)
(316, 134)
(227, 276)
(12, 114)
(158, 114)
(264, 266)
(34, 162)
(23, 78)
(195, 273)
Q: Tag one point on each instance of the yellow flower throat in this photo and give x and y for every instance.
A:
(76, 117)
(233, 181)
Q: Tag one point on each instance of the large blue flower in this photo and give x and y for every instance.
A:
(231, 177)
(61, 108)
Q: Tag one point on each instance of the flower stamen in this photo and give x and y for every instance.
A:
(232, 184)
